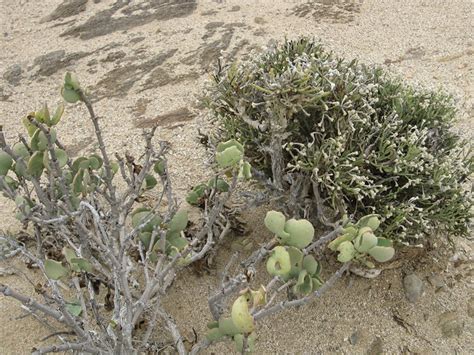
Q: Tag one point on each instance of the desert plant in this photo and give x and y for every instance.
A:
(96, 241)
(341, 135)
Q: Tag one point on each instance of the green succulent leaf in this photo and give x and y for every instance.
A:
(239, 342)
(35, 164)
(214, 335)
(304, 285)
(241, 316)
(346, 252)
(6, 163)
(279, 263)
(383, 251)
(176, 240)
(229, 157)
(149, 182)
(347, 237)
(82, 263)
(179, 221)
(21, 150)
(365, 241)
(245, 171)
(70, 95)
(296, 260)
(275, 222)
(301, 233)
(57, 115)
(310, 264)
(229, 144)
(139, 216)
(372, 221)
(159, 167)
(95, 162)
(74, 308)
(54, 269)
(227, 327)
(31, 128)
(71, 81)
(218, 184)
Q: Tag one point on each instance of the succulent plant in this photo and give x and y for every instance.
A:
(70, 89)
(54, 269)
(142, 214)
(297, 233)
(179, 221)
(35, 164)
(229, 154)
(279, 263)
(359, 240)
(369, 141)
(241, 316)
(6, 163)
(239, 342)
(159, 167)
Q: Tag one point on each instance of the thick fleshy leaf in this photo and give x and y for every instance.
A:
(82, 263)
(149, 182)
(227, 327)
(346, 252)
(304, 285)
(74, 308)
(179, 221)
(6, 163)
(239, 343)
(275, 221)
(54, 269)
(35, 164)
(219, 185)
(241, 316)
(301, 233)
(21, 150)
(214, 335)
(57, 115)
(177, 240)
(310, 264)
(372, 221)
(228, 144)
(365, 241)
(279, 264)
(159, 167)
(229, 157)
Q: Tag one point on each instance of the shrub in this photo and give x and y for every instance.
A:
(108, 258)
(348, 137)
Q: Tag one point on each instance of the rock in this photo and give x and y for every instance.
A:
(376, 348)
(413, 286)
(437, 282)
(470, 307)
(450, 324)
(354, 338)
(13, 74)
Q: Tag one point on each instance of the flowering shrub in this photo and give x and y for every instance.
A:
(349, 137)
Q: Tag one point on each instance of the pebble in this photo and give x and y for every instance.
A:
(451, 325)
(376, 348)
(413, 286)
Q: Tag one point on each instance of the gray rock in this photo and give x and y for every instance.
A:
(450, 324)
(413, 286)
(376, 348)
(13, 74)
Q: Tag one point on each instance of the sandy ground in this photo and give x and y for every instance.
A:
(147, 62)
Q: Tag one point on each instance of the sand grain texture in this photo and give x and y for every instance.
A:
(146, 62)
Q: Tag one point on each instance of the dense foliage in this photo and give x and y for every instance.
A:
(364, 141)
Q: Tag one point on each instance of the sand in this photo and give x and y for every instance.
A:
(147, 62)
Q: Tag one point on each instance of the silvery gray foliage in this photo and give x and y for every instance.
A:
(341, 135)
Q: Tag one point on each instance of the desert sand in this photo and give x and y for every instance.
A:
(146, 63)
